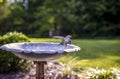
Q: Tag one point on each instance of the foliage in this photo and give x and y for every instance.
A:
(8, 61)
(68, 68)
(77, 17)
(89, 18)
(90, 73)
(102, 74)
(13, 37)
(65, 71)
(11, 17)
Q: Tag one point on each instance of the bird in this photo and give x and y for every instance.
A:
(65, 40)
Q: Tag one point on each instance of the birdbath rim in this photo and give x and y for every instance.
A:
(39, 47)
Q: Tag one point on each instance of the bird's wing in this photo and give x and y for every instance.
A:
(61, 37)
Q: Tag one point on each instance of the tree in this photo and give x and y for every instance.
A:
(77, 17)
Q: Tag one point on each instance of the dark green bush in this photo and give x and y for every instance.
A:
(8, 61)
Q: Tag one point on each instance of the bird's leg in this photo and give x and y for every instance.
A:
(65, 45)
(70, 42)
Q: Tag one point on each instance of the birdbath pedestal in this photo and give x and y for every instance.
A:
(39, 52)
(40, 69)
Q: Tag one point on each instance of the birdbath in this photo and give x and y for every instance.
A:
(39, 52)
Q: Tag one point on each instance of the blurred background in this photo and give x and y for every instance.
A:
(44, 18)
(93, 24)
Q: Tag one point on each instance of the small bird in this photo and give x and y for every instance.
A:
(65, 40)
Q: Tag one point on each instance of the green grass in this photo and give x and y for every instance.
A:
(93, 53)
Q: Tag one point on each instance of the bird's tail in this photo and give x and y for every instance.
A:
(58, 37)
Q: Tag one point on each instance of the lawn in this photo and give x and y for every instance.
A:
(94, 53)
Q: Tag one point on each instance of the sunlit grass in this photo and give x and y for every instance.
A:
(93, 53)
(1, 1)
(44, 40)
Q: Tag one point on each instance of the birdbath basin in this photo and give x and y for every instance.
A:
(39, 52)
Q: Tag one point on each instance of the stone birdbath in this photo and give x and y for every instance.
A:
(39, 52)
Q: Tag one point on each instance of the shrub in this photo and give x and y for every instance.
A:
(101, 74)
(13, 37)
(8, 61)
